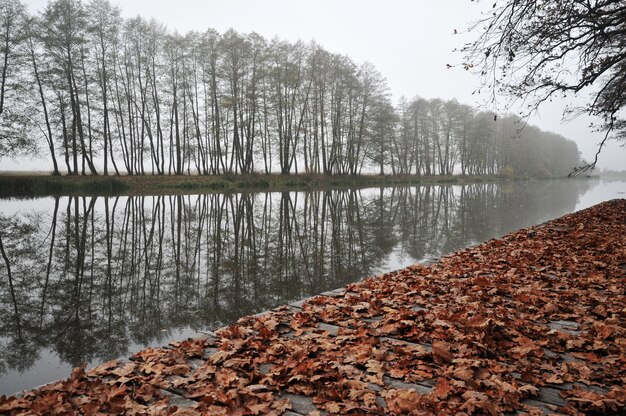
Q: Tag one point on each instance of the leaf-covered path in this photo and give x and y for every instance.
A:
(534, 322)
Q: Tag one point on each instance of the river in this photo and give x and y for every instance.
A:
(97, 278)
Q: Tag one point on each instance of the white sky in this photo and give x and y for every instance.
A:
(409, 41)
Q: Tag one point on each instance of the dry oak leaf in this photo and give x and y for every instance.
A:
(220, 356)
(442, 389)
(281, 405)
(375, 367)
(398, 372)
(525, 346)
(555, 379)
(103, 369)
(477, 400)
(463, 373)
(259, 408)
(332, 407)
(401, 401)
(441, 351)
(528, 388)
(191, 347)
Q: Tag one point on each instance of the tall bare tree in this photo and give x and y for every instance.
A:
(14, 117)
(65, 22)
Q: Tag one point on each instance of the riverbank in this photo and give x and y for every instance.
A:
(27, 185)
(533, 321)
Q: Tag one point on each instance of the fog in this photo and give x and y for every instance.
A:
(409, 42)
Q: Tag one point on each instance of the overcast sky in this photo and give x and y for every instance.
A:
(409, 41)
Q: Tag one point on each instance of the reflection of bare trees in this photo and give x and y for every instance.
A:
(17, 349)
(97, 274)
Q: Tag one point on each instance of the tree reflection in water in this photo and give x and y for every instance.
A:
(94, 275)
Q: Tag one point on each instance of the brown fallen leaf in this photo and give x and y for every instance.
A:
(441, 351)
(258, 408)
(442, 389)
(527, 388)
(555, 379)
(402, 401)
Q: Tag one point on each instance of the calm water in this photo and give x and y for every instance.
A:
(92, 279)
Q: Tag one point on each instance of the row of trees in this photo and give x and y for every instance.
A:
(104, 94)
(445, 137)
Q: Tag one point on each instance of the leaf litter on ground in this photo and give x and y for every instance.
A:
(483, 331)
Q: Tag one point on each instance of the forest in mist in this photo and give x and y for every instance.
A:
(95, 93)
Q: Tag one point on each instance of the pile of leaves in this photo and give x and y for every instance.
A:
(491, 329)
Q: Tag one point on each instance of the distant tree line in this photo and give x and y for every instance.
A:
(130, 96)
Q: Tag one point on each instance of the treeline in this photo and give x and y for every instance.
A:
(103, 94)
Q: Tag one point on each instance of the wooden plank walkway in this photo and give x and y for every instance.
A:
(532, 323)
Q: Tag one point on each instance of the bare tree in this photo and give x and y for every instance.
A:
(104, 26)
(536, 50)
(33, 44)
(14, 119)
(11, 15)
(64, 22)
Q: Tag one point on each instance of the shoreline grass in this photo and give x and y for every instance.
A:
(32, 185)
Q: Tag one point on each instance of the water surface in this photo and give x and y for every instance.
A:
(97, 278)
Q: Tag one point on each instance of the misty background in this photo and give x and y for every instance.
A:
(409, 42)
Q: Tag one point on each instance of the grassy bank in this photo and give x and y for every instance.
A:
(25, 185)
